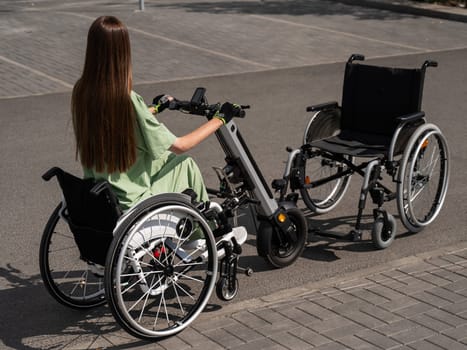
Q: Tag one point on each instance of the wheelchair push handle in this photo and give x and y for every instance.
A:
(198, 105)
(429, 63)
(51, 173)
(356, 57)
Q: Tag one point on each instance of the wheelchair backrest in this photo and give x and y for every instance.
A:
(92, 215)
(373, 97)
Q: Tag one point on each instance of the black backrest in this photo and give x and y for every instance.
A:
(91, 217)
(85, 208)
(373, 97)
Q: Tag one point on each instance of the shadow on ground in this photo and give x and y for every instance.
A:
(281, 7)
(31, 319)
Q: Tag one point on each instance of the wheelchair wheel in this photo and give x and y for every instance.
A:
(323, 198)
(423, 177)
(285, 253)
(324, 123)
(67, 278)
(157, 281)
(383, 232)
(226, 290)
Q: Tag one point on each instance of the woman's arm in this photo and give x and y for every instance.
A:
(185, 143)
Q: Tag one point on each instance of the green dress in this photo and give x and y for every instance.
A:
(156, 170)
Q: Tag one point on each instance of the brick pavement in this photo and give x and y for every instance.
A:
(415, 303)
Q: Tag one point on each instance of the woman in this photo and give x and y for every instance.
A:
(117, 137)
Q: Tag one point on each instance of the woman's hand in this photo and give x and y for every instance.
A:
(159, 103)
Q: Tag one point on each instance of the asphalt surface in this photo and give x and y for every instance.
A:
(277, 56)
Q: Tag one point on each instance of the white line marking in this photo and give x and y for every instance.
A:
(35, 71)
(355, 36)
(182, 43)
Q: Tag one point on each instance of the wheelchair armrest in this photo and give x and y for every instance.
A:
(322, 106)
(99, 187)
(408, 118)
(403, 120)
(51, 173)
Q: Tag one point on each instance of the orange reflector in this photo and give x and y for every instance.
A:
(307, 180)
(281, 217)
(425, 144)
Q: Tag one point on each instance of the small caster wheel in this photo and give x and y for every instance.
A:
(249, 271)
(383, 231)
(355, 236)
(225, 291)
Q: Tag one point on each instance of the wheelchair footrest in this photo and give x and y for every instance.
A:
(352, 236)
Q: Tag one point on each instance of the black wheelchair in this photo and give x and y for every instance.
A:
(157, 278)
(378, 129)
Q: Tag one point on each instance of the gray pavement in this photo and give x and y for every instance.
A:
(337, 296)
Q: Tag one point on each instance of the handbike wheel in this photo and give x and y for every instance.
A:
(423, 177)
(157, 280)
(67, 278)
(285, 253)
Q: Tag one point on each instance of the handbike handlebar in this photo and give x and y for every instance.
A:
(198, 105)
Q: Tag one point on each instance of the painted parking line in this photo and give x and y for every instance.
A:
(37, 72)
(184, 44)
(337, 32)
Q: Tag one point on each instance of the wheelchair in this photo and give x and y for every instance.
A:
(378, 130)
(157, 279)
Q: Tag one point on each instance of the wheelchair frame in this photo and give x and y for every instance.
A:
(325, 125)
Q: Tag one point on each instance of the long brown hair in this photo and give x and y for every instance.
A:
(103, 115)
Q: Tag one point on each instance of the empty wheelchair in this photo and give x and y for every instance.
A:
(378, 129)
(160, 257)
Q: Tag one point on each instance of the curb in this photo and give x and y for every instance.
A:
(413, 8)
(289, 295)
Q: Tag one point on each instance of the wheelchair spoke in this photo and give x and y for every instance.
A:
(131, 259)
(145, 300)
(147, 293)
(142, 278)
(182, 264)
(182, 275)
(79, 283)
(433, 163)
(183, 290)
(182, 309)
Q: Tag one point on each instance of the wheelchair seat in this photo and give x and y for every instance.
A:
(374, 100)
(91, 210)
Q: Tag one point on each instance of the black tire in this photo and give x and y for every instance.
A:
(67, 278)
(383, 233)
(423, 177)
(282, 255)
(223, 290)
(323, 198)
(154, 287)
